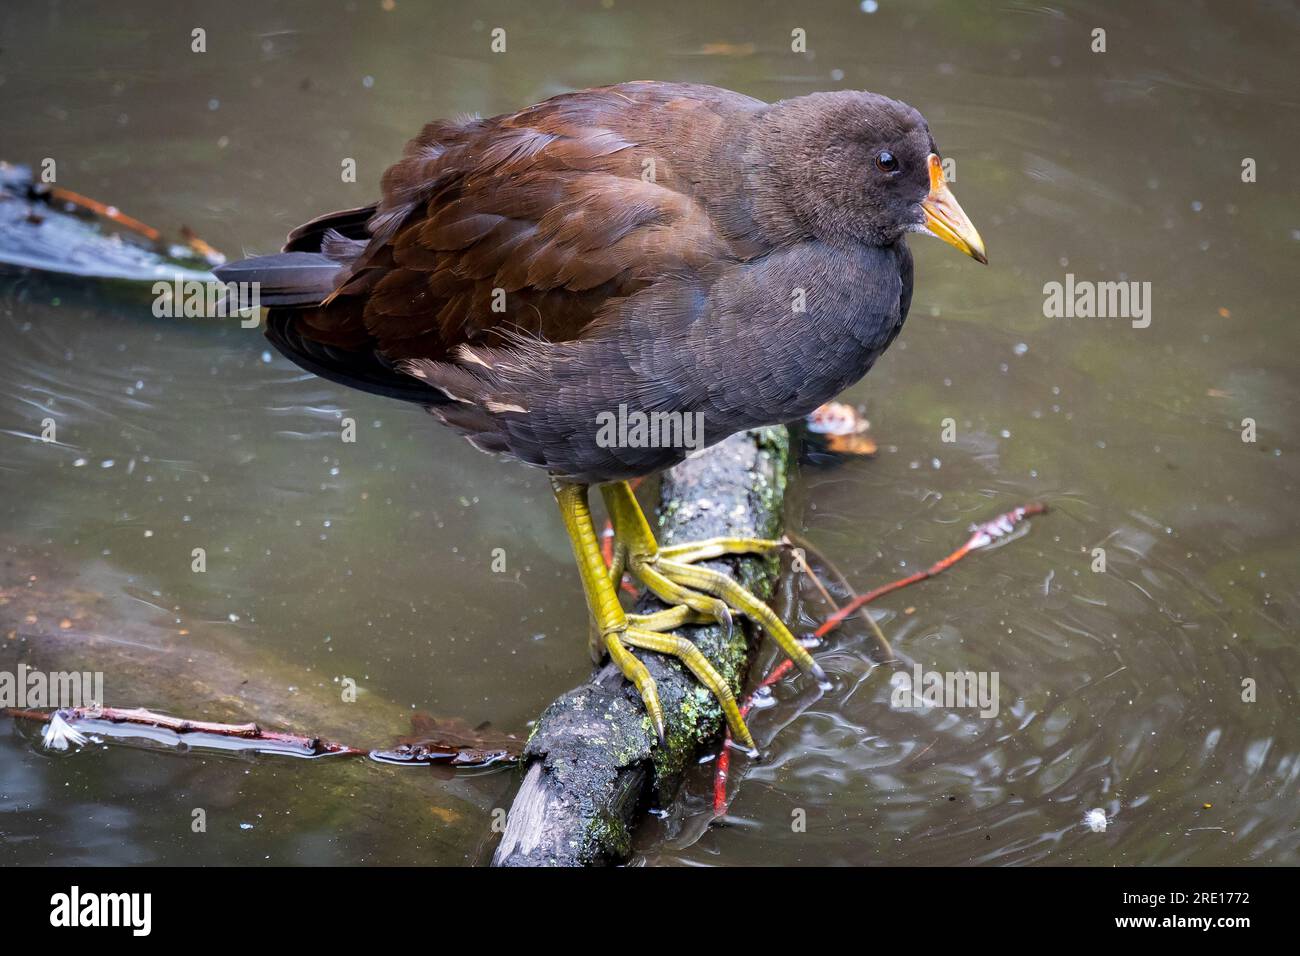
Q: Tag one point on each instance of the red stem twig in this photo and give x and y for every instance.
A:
(982, 535)
(111, 213)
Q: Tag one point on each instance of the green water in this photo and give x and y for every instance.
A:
(1120, 690)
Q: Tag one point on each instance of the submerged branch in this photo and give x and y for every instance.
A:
(72, 726)
(76, 723)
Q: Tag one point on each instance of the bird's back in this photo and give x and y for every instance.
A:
(531, 223)
(642, 250)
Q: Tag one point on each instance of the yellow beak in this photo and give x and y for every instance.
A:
(945, 218)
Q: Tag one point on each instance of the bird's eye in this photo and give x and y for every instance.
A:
(885, 162)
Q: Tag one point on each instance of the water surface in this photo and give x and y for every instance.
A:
(1120, 690)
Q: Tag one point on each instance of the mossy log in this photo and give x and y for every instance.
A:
(593, 761)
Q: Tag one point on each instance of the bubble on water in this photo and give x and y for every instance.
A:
(1095, 820)
(736, 745)
(763, 699)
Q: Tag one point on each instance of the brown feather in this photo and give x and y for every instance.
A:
(634, 244)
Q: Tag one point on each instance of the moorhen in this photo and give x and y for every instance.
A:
(644, 248)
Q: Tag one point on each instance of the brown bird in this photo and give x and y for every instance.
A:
(634, 250)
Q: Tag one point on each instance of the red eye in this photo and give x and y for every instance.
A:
(885, 162)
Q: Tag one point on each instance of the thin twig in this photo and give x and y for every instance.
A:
(111, 213)
(881, 640)
(982, 535)
(77, 719)
(179, 725)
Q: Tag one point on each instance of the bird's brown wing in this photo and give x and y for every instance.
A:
(530, 224)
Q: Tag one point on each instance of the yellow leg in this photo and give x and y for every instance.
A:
(717, 548)
(667, 620)
(670, 574)
(699, 665)
(670, 592)
(602, 598)
(618, 565)
(738, 597)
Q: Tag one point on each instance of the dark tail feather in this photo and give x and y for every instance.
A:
(356, 368)
(350, 223)
(304, 275)
(308, 268)
(286, 278)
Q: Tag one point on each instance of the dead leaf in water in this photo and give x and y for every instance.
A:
(445, 814)
(451, 742)
(728, 49)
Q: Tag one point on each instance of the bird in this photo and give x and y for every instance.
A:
(646, 248)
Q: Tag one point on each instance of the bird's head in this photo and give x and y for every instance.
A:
(862, 167)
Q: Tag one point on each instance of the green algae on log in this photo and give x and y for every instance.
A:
(593, 760)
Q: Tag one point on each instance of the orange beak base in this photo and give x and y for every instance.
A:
(946, 220)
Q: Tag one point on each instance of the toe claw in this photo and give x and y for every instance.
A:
(724, 618)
